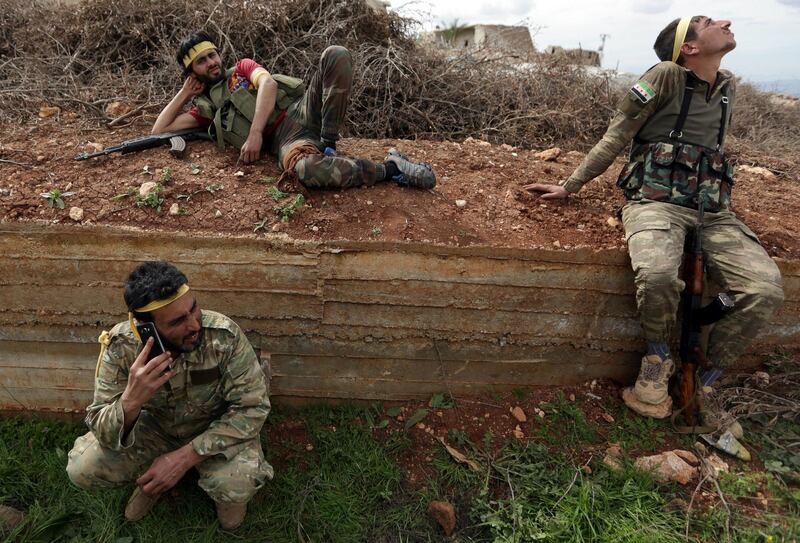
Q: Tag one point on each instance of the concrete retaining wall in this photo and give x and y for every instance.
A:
(346, 320)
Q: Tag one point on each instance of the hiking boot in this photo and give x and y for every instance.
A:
(412, 174)
(139, 504)
(714, 415)
(652, 383)
(230, 515)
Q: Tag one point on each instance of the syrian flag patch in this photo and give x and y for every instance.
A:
(643, 91)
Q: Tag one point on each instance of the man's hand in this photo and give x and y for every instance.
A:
(191, 87)
(145, 378)
(550, 192)
(167, 470)
(251, 149)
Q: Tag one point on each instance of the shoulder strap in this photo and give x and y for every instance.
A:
(723, 123)
(688, 92)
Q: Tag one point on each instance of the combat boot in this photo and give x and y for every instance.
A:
(653, 380)
(412, 174)
(231, 515)
(139, 504)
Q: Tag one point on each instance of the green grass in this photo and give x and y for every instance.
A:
(350, 488)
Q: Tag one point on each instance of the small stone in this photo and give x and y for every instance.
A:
(117, 109)
(240, 173)
(461, 203)
(581, 226)
(420, 425)
(540, 413)
(556, 243)
(548, 155)
(309, 447)
(519, 414)
(218, 214)
(572, 397)
(715, 465)
(506, 147)
(518, 433)
(5, 192)
(608, 418)
(10, 518)
(445, 515)
(315, 228)
(40, 158)
(146, 188)
(94, 147)
(756, 170)
(613, 457)
(76, 214)
(48, 111)
(175, 209)
(278, 226)
(587, 469)
(761, 379)
(612, 222)
(369, 202)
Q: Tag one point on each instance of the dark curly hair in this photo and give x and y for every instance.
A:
(151, 281)
(666, 39)
(190, 41)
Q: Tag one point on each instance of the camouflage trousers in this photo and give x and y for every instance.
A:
(735, 261)
(236, 480)
(319, 115)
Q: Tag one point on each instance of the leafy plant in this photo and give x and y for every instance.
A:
(267, 180)
(56, 197)
(153, 199)
(376, 231)
(195, 169)
(260, 225)
(211, 189)
(129, 192)
(166, 176)
(276, 194)
(440, 400)
(286, 211)
(146, 170)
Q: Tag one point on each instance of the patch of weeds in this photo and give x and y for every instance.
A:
(261, 225)
(376, 231)
(195, 169)
(418, 416)
(459, 437)
(128, 193)
(634, 432)
(211, 189)
(153, 199)
(56, 198)
(146, 170)
(519, 393)
(166, 176)
(565, 423)
(267, 180)
(286, 211)
(276, 194)
(534, 495)
(441, 400)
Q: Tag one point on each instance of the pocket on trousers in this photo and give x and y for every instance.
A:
(644, 224)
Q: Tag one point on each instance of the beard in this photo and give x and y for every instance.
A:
(183, 347)
(210, 81)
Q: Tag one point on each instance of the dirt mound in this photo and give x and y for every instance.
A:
(478, 200)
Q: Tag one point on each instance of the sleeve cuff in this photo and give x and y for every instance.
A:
(572, 185)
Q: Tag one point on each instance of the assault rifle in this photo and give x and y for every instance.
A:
(177, 141)
(695, 316)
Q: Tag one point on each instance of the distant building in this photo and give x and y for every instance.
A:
(516, 39)
(581, 57)
(380, 6)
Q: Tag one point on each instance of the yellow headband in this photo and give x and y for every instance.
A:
(156, 304)
(196, 50)
(680, 37)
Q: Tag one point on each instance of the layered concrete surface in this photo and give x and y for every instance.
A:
(344, 320)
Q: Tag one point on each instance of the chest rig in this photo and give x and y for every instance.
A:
(679, 172)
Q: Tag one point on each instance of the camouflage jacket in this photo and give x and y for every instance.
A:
(648, 111)
(217, 399)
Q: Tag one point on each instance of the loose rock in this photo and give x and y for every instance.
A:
(76, 214)
(667, 466)
(146, 188)
(756, 170)
(548, 155)
(10, 518)
(660, 411)
(445, 515)
(518, 433)
(519, 414)
(117, 109)
(461, 203)
(175, 209)
(48, 111)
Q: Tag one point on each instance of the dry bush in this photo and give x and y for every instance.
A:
(99, 51)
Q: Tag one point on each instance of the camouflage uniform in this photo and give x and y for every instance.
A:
(665, 174)
(319, 115)
(217, 401)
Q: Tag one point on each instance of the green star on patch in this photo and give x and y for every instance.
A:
(643, 91)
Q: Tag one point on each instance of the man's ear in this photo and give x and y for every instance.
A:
(689, 49)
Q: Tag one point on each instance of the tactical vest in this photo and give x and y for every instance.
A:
(233, 112)
(679, 172)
